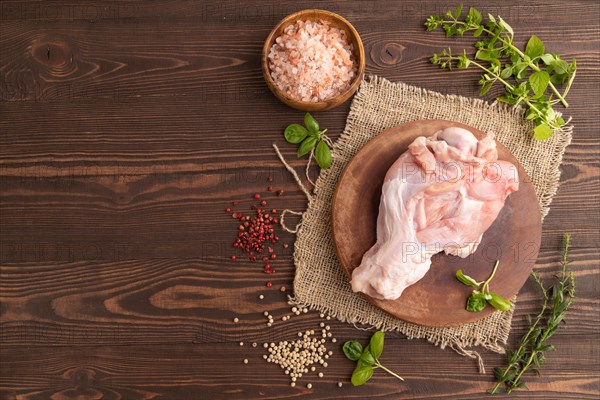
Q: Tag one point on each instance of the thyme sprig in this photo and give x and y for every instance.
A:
(526, 75)
(530, 355)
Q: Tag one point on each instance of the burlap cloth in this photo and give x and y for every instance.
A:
(320, 283)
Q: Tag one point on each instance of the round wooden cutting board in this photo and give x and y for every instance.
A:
(438, 299)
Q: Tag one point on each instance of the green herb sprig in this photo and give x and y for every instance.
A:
(478, 300)
(312, 140)
(526, 75)
(530, 355)
(367, 359)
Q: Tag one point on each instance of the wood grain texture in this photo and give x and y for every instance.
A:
(127, 127)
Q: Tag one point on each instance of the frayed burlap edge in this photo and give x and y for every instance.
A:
(320, 284)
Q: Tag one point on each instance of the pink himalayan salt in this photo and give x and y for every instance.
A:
(312, 61)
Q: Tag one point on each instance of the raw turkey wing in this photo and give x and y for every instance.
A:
(442, 194)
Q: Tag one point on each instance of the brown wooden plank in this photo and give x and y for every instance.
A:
(189, 371)
(126, 127)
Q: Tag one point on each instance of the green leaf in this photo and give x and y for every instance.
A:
(506, 73)
(508, 100)
(506, 26)
(498, 302)
(478, 31)
(376, 344)
(486, 55)
(539, 82)
(467, 280)
(451, 30)
(458, 11)
(542, 132)
(486, 88)
(491, 18)
(353, 350)
(311, 124)
(476, 302)
(560, 66)
(498, 373)
(519, 70)
(474, 17)
(295, 133)
(534, 48)
(361, 375)
(367, 356)
(323, 155)
(307, 145)
(558, 79)
(463, 61)
(547, 58)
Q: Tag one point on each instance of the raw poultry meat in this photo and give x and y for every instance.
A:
(442, 194)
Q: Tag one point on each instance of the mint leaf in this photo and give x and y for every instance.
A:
(534, 48)
(560, 66)
(539, 82)
(542, 132)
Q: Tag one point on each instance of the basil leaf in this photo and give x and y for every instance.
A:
(307, 145)
(478, 31)
(376, 344)
(467, 280)
(542, 132)
(361, 375)
(353, 350)
(476, 302)
(366, 355)
(535, 47)
(311, 124)
(499, 302)
(295, 133)
(323, 155)
(539, 82)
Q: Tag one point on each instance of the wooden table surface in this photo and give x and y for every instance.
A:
(128, 127)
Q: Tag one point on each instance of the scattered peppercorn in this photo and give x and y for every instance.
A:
(257, 196)
(269, 284)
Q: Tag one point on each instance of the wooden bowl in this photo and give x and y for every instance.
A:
(335, 21)
(438, 299)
